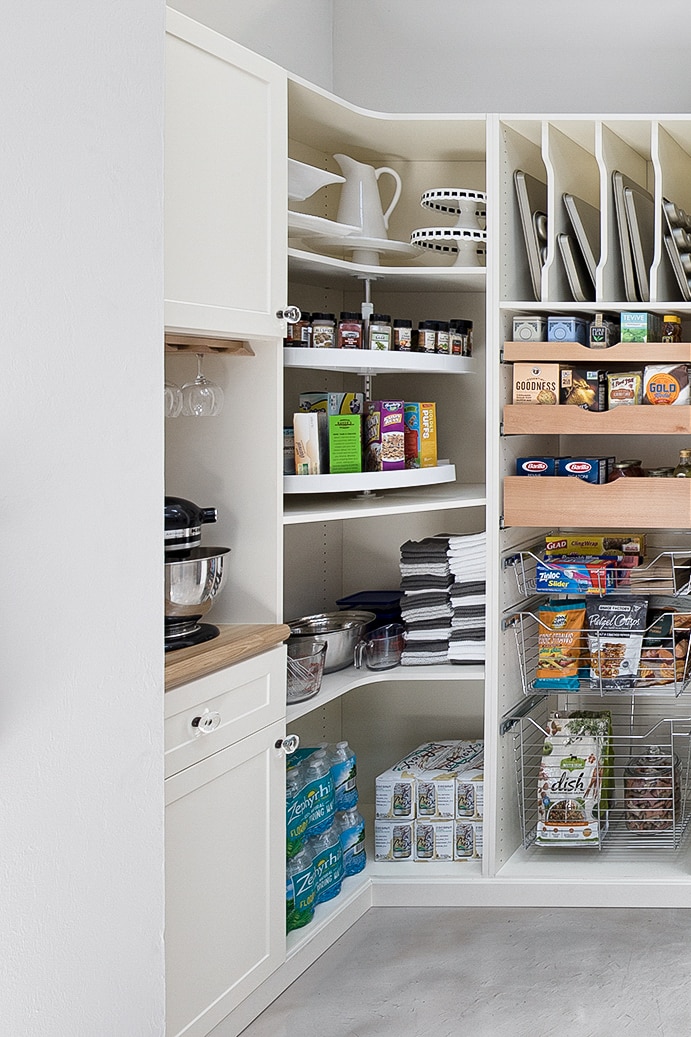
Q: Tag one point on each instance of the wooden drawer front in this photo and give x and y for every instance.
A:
(208, 714)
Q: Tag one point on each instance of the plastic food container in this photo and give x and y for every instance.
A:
(652, 791)
(305, 670)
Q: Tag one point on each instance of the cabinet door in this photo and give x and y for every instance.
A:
(225, 185)
(225, 880)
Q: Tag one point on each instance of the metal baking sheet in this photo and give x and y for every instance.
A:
(619, 182)
(585, 220)
(532, 199)
(640, 216)
(682, 279)
(581, 284)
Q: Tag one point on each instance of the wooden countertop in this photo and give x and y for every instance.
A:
(235, 642)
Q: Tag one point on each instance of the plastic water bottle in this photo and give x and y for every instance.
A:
(297, 810)
(327, 859)
(351, 828)
(344, 774)
(300, 890)
(319, 791)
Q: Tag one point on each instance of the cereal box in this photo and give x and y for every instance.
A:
(345, 443)
(420, 437)
(384, 435)
(393, 840)
(536, 383)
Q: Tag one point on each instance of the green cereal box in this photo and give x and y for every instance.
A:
(345, 443)
(640, 327)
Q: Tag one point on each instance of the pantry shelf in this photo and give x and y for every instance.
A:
(358, 482)
(621, 352)
(524, 419)
(445, 497)
(364, 361)
(569, 501)
(667, 572)
(311, 268)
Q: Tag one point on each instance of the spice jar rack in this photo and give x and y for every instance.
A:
(648, 777)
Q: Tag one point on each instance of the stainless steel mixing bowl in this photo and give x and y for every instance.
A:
(192, 583)
(341, 631)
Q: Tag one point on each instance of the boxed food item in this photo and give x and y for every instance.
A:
(423, 784)
(470, 794)
(624, 389)
(393, 840)
(583, 387)
(666, 384)
(311, 443)
(333, 402)
(467, 842)
(589, 469)
(567, 329)
(536, 466)
(577, 574)
(384, 435)
(536, 383)
(289, 451)
(345, 443)
(529, 329)
(433, 840)
(594, 543)
(420, 437)
(640, 327)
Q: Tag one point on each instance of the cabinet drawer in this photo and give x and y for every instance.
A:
(206, 715)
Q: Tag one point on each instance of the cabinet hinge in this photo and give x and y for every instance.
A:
(501, 522)
(501, 428)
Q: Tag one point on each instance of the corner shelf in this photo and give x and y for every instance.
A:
(357, 482)
(367, 361)
(312, 268)
(446, 497)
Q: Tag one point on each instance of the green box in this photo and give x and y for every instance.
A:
(640, 327)
(345, 443)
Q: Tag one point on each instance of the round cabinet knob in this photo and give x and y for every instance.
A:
(291, 314)
(288, 744)
(206, 723)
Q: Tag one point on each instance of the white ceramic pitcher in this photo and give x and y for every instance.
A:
(360, 204)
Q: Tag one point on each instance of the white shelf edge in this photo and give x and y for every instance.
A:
(366, 361)
(439, 278)
(334, 685)
(356, 482)
(299, 510)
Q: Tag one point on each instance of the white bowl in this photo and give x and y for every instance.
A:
(304, 180)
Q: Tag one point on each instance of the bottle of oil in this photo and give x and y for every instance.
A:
(683, 469)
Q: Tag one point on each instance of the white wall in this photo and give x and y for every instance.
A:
(294, 34)
(504, 56)
(81, 896)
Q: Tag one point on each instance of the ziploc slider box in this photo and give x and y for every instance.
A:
(420, 438)
(575, 575)
(640, 327)
(345, 443)
(311, 442)
(384, 435)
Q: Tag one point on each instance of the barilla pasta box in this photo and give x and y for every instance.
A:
(589, 469)
(333, 402)
(420, 437)
(384, 435)
(345, 443)
(536, 466)
(393, 840)
(666, 384)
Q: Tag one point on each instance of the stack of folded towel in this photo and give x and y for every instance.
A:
(425, 605)
(467, 594)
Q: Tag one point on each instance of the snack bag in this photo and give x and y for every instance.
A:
(559, 645)
(615, 636)
(570, 783)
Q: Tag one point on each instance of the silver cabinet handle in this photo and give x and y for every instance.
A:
(288, 744)
(206, 723)
(291, 314)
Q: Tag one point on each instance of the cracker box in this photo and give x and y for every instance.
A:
(589, 469)
(666, 384)
(333, 402)
(384, 435)
(536, 466)
(529, 329)
(345, 443)
(536, 383)
(420, 437)
(311, 443)
(467, 842)
(567, 329)
(393, 840)
(640, 327)
(433, 840)
(583, 387)
(624, 389)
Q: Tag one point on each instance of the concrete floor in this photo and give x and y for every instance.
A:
(493, 972)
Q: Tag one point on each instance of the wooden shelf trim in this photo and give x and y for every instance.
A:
(234, 643)
(175, 343)
(525, 419)
(567, 501)
(621, 352)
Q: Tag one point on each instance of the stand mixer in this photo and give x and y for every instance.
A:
(193, 574)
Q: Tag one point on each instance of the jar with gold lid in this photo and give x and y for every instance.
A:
(671, 328)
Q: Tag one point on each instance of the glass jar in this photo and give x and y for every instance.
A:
(302, 331)
(441, 341)
(349, 331)
(402, 335)
(652, 790)
(379, 331)
(671, 328)
(660, 473)
(323, 330)
(462, 335)
(683, 469)
(426, 336)
(628, 468)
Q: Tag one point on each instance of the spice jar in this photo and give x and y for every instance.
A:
(402, 335)
(461, 337)
(628, 468)
(426, 336)
(349, 331)
(652, 790)
(441, 340)
(302, 331)
(323, 330)
(671, 328)
(379, 332)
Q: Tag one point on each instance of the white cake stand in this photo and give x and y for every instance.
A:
(468, 206)
(469, 246)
